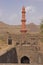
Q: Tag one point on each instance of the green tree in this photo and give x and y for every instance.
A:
(41, 26)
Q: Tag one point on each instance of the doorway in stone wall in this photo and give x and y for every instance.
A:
(25, 59)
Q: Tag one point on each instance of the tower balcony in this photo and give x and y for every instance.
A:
(23, 20)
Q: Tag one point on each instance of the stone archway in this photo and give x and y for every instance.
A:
(25, 59)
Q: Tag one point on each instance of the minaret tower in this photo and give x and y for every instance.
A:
(23, 27)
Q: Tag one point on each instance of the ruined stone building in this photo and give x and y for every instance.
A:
(24, 47)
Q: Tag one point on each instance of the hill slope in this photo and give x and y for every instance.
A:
(4, 28)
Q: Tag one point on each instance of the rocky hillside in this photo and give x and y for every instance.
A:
(15, 29)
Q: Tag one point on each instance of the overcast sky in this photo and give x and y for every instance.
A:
(10, 11)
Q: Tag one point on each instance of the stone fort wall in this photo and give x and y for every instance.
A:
(32, 47)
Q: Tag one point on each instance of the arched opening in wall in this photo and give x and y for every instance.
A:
(9, 41)
(25, 59)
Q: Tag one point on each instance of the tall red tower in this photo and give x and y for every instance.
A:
(23, 26)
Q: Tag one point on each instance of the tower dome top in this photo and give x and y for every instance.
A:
(23, 8)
